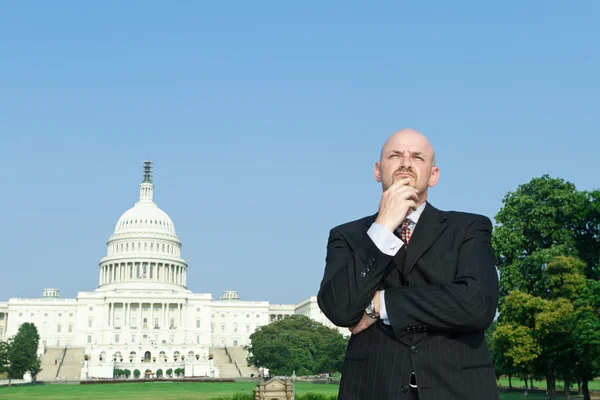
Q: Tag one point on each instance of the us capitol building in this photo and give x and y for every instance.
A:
(142, 316)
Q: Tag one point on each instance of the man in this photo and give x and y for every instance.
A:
(417, 287)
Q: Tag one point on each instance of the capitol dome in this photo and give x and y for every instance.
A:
(147, 217)
(144, 251)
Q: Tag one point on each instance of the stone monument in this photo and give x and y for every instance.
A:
(273, 389)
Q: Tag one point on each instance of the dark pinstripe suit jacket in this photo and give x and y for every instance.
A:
(441, 295)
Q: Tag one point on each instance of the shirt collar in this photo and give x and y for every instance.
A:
(415, 215)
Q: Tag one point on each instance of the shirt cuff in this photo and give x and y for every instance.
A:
(382, 310)
(385, 240)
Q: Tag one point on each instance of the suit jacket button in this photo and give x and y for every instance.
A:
(363, 274)
(414, 349)
(404, 388)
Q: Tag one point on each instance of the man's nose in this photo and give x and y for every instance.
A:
(406, 162)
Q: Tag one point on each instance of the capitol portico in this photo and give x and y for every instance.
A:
(142, 316)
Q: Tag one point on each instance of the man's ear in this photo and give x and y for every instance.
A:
(377, 172)
(435, 175)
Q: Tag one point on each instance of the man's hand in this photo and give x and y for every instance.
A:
(396, 202)
(366, 321)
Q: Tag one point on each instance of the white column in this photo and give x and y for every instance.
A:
(109, 306)
(151, 315)
(141, 324)
(125, 322)
(165, 316)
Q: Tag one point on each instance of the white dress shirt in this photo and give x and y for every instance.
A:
(390, 244)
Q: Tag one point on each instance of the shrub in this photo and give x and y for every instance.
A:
(159, 373)
(312, 396)
(127, 373)
(136, 373)
(170, 372)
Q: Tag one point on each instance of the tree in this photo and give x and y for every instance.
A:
(21, 353)
(159, 373)
(136, 373)
(127, 373)
(170, 372)
(541, 221)
(297, 343)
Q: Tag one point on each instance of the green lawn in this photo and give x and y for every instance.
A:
(516, 383)
(167, 391)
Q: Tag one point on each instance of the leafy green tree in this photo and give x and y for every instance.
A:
(297, 343)
(21, 353)
(159, 373)
(136, 373)
(170, 372)
(541, 221)
(127, 373)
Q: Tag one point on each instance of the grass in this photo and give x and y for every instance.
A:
(170, 391)
(518, 383)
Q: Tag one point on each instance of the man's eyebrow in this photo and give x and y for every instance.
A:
(414, 153)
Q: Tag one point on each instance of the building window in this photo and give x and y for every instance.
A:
(197, 338)
(235, 343)
(20, 314)
(257, 315)
(58, 343)
(90, 322)
(116, 338)
(222, 327)
(89, 340)
(132, 338)
(222, 315)
(91, 308)
(31, 315)
(197, 323)
(70, 328)
(247, 328)
(70, 314)
(247, 315)
(58, 328)
(172, 323)
(235, 327)
(60, 314)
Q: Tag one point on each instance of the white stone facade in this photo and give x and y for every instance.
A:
(142, 315)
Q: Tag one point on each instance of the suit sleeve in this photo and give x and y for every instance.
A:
(468, 304)
(352, 275)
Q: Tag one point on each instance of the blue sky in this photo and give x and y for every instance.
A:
(264, 120)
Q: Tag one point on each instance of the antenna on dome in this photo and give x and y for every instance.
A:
(148, 171)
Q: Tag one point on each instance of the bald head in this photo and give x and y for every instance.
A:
(412, 135)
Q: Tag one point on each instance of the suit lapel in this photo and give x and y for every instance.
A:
(430, 226)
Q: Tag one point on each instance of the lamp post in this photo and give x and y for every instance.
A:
(294, 385)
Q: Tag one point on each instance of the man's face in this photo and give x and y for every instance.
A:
(407, 154)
